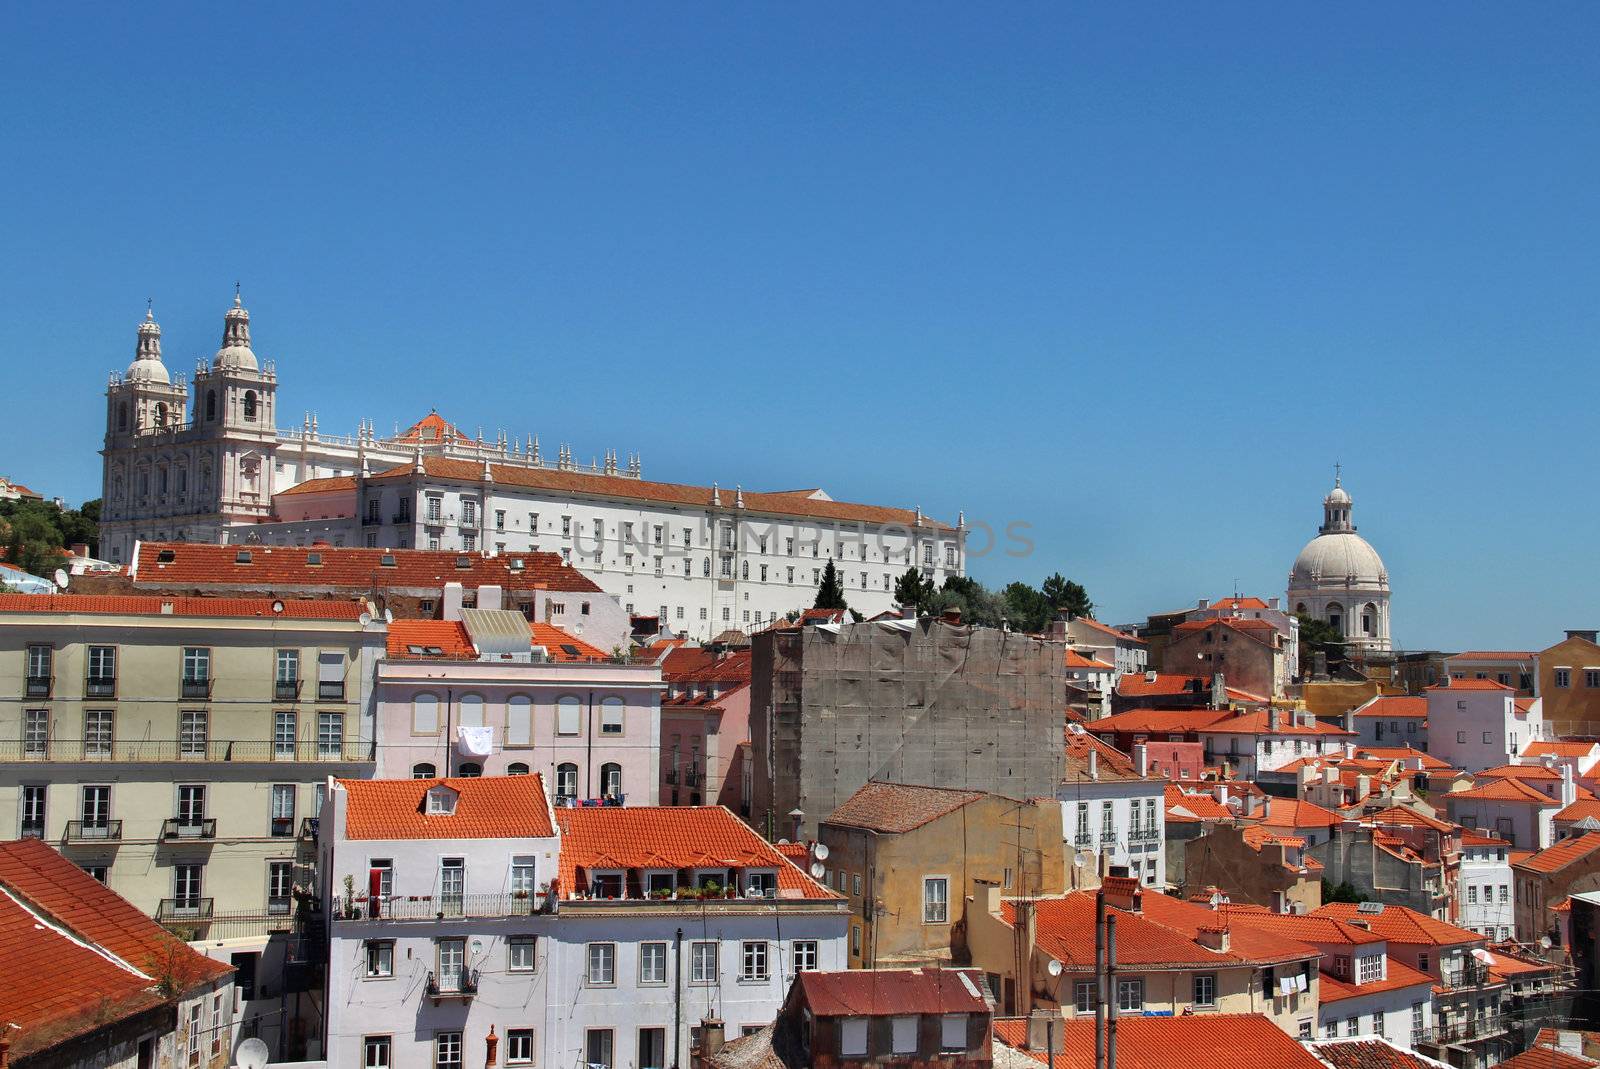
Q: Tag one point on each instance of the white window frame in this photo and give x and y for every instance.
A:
(936, 910)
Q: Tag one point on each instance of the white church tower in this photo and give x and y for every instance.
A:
(1340, 578)
(235, 404)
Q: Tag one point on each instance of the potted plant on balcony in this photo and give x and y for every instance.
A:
(661, 894)
(350, 911)
(711, 889)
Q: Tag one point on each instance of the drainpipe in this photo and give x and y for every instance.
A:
(449, 729)
(1099, 979)
(588, 753)
(677, 1000)
(1111, 984)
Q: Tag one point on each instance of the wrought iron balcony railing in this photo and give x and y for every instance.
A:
(432, 907)
(94, 831)
(148, 750)
(196, 688)
(453, 983)
(200, 829)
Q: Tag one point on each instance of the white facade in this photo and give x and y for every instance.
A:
(1260, 742)
(1476, 724)
(1339, 577)
(1114, 814)
(1486, 893)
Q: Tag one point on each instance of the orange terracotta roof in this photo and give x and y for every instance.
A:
(1259, 723)
(733, 668)
(335, 483)
(886, 992)
(1559, 748)
(1398, 924)
(896, 808)
(1401, 753)
(487, 807)
(1400, 976)
(1519, 772)
(1494, 655)
(1111, 762)
(102, 972)
(670, 837)
(611, 486)
(1256, 837)
(354, 568)
(449, 637)
(1157, 721)
(1502, 790)
(1292, 813)
(1578, 810)
(1074, 659)
(1199, 1041)
(1199, 806)
(1469, 684)
(1472, 838)
(1410, 818)
(554, 640)
(1394, 706)
(1256, 629)
(1238, 603)
(1165, 684)
(1562, 854)
(1369, 1054)
(430, 428)
(1548, 1058)
(155, 605)
(1307, 928)
(1109, 632)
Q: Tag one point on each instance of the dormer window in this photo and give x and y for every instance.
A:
(441, 801)
(661, 883)
(606, 884)
(761, 883)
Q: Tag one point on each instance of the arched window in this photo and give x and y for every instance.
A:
(1300, 609)
(183, 481)
(250, 406)
(611, 780)
(122, 416)
(423, 770)
(611, 710)
(470, 770)
(1369, 619)
(1335, 614)
(472, 711)
(516, 768)
(161, 414)
(211, 405)
(425, 715)
(744, 569)
(566, 781)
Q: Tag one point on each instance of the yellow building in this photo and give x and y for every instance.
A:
(1569, 684)
(174, 747)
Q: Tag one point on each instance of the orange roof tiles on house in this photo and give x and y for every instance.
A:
(1259, 723)
(1503, 790)
(1306, 928)
(155, 605)
(1558, 748)
(1074, 659)
(1161, 684)
(99, 955)
(335, 483)
(449, 637)
(1401, 975)
(1494, 655)
(1539, 772)
(1200, 1041)
(1193, 806)
(1109, 632)
(1548, 1058)
(1370, 1054)
(285, 569)
(799, 853)
(1157, 721)
(1292, 813)
(1260, 630)
(1110, 761)
(670, 837)
(1562, 854)
(1469, 684)
(884, 992)
(487, 807)
(896, 808)
(1410, 818)
(612, 487)
(1237, 602)
(1402, 753)
(430, 428)
(1579, 809)
(1473, 838)
(555, 642)
(1394, 706)
(1398, 924)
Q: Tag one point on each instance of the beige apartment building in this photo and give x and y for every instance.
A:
(175, 747)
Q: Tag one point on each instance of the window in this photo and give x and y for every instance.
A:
(569, 716)
(1205, 989)
(1351, 1026)
(186, 884)
(36, 733)
(1487, 737)
(703, 963)
(1422, 963)
(953, 1033)
(652, 963)
(566, 780)
(1130, 996)
(196, 671)
(1369, 968)
(469, 512)
(102, 681)
(602, 963)
(424, 770)
(1563, 677)
(903, 1034)
(1472, 896)
(1083, 996)
(753, 964)
(97, 734)
(95, 812)
(855, 940)
(805, 955)
(376, 1054)
(191, 807)
(1461, 737)
(520, 953)
(192, 734)
(517, 768)
(935, 900)
(282, 810)
(39, 658)
(380, 959)
(519, 1046)
(330, 736)
(611, 780)
(522, 874)
(611, 716)
(33, 796)
(853, 1037)
(598, 1047)
(1330, 1029)
(447, 1050)
(283, 736)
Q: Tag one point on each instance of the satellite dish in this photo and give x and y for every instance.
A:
(1054, 968)
(819, 851)
(365, 618)
(783, 842)
(277, 606)
(1544, 942)
(817, 870)
(388, 617)
(62, 578)
(253, 1054)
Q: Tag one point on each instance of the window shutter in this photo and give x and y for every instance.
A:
(519, 720)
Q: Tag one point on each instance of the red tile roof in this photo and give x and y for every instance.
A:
(1494, 655)
(448, 636)
(1472, 838)
(1502, 790)
(1548, 1058)
(1259, 723)
(1518, 772)
(1200, 1041)
(1165, 684)
(1398, 924)
(553, 639)
(1410, 818)
(733, 668)
(670, 837)
(1395, 706)
(1401, 753)
(1111, 763)
(1370, 1054)
(896, 808)
(335, 483)
(430, 428)
(1157, 721)
(885, 992)
(155, 605)
(1304, 927)
(1201, 806)
(77, 955)
(1291, 813)
(1260, 630)
(286, 568)
(1074, 659)
(1583, 807)
(1562, 854)
(1238, 603)
(1400, 976)
(1559, 748)
(1109, 632)
(1469, 684)
(610, 486)
(487, 807)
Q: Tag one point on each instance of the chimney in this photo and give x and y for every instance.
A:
(1349, 751)
(1548, 760)
(1122, 891)
(711, 1037)
(1272, 602)
(1569, 790)
(1141, 759)
(489, 596)
(1094, 763)
(1363, 786)
(1272, 719)
(491, 1047)
(1219, 691)
(1039, 1022)
(452, 601)
(1252, 805)
(1213, 937)
(1222, 794)
(1202, 603)
(80, 549)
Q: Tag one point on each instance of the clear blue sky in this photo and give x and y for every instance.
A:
(1135, 275)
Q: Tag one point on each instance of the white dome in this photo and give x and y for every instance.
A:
(236, 358)
(1339, 558)
(1337, 496)
(148, 371)
(235, 354)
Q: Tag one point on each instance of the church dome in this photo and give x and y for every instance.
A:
(1337, 496)
(147, 366)
(236, 354)
(1338, 558)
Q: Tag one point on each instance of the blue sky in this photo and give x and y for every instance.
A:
(1135, 275)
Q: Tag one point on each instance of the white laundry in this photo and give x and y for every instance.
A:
(475, 741)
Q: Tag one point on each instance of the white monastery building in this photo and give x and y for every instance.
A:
(706, 559)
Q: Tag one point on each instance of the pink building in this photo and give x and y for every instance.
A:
(493, 694)
(705, 732)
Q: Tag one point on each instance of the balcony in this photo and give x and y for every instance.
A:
(691, 777)
(1468, 1030)
(308, 827)
(1144, 835)
(100, 687)
(1473, 974)
(431, 907)
(371, 519)
(283, 827)
(286, 690)
(1083, 840)
(457, 983)
(401, 519)
(196, 830)
(670, 776)
(330, 691)
(38, 686)
(94, 831)
(196, 688)
(145, 751)
(1108, 838)
(184, 910)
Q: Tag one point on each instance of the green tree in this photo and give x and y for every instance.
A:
(1318, 635)
(33, 542)
(1026, 608)
(1066, 596)
(978, 605)
(1342, 891)
(913, 591)
(830, 592)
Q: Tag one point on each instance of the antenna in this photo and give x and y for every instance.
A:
(62, 578)
(817, 870)
(253, 1054)
(277, 606)
(819, 851)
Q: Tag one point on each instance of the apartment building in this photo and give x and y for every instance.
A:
(468, 917)
(1113, 811)
(173, 747)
